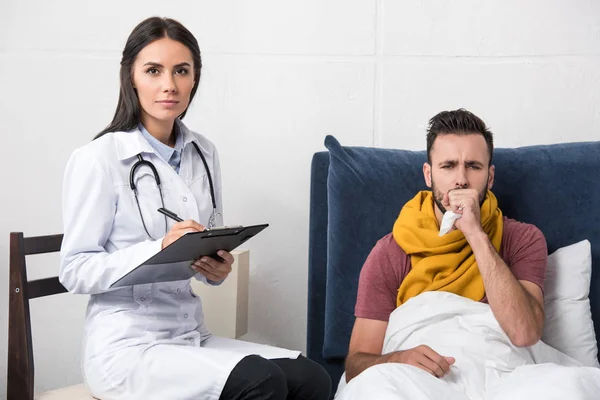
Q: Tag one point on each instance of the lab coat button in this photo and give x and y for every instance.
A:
(142, 298)
(185, 315)
(184, 199)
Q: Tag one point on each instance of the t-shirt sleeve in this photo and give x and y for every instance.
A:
(379, 280)
(528, 254)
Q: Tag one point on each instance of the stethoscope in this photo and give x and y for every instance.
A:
(140, 162)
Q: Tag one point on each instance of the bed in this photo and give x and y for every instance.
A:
(357, 192)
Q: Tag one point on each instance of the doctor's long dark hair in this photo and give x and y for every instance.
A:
(127, 115)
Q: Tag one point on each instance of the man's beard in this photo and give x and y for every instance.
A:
(438, 196)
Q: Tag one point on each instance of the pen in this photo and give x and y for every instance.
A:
(169, 214)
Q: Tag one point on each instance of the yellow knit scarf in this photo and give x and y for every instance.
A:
(444, 263)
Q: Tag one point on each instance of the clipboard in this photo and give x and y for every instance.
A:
(173, 263)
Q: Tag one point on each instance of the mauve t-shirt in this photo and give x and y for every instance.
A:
(523, 249)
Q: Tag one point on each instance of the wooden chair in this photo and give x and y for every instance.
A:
(20, 350)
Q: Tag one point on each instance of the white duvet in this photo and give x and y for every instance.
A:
(488, 366)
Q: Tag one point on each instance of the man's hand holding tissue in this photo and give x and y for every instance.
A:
(518, 305)
(466, 203)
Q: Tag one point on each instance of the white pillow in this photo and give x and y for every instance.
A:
(569, 327)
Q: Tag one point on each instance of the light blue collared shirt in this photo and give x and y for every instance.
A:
(169, 154)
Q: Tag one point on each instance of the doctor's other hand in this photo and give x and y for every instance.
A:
(424, 357)
(214, 270)
(180, 229)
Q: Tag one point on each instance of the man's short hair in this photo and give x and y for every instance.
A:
(458, 122)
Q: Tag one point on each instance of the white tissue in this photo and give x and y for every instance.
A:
(448, 222)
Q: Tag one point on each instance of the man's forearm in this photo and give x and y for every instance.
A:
(358, 362)
(517, 311)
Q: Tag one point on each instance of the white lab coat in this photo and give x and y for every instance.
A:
(147, 341)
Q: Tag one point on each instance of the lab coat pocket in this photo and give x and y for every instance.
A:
(143, 296)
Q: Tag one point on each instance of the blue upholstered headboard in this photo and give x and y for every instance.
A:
(357, 193)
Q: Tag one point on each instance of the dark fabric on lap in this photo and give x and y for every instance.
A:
(257, 378)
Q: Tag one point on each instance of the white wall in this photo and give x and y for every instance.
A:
(278, 76)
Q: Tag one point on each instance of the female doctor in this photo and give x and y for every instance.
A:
(150, 341)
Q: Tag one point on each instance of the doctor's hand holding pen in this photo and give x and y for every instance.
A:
(214, 270)
(180, 229)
